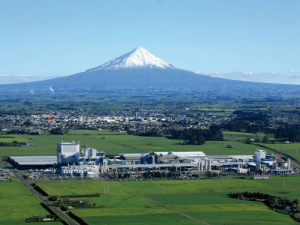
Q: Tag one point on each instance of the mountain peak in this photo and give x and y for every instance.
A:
(137, 58)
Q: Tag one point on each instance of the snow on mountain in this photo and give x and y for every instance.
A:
(138, 58)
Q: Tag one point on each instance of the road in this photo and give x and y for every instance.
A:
(43, 199)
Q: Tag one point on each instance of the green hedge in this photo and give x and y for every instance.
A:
(76, 218)
(39, 190)
(80, 196)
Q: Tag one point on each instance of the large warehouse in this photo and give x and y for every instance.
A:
(32, 162)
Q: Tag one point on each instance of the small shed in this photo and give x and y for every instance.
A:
(260, 177)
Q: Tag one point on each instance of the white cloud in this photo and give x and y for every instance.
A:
(23, 75)
(265, 77)
(295, 73)
(211, 73)
(21, 78)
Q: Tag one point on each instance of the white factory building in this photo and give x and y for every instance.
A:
(181, 161)
(67, 153)
(90, 162)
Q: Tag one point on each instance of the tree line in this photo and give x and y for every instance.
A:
(196, 136)
(276, 203)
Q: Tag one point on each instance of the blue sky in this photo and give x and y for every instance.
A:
(57, 38)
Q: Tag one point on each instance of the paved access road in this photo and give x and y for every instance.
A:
(46, 201)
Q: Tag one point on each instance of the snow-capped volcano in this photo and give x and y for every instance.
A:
(138, 68)
(137, 58)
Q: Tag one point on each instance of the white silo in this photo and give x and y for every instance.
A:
(259, 155)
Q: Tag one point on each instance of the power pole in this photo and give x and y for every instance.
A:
(107, 188)
(104, 188)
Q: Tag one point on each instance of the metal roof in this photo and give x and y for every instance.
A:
(34, 160)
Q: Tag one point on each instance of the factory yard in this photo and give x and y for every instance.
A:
(203, 200)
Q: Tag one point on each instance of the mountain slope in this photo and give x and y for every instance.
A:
(136, 59)
(138, 68)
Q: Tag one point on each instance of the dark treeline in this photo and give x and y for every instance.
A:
(152, 133)
(249, 122)
(22, 132)
(14, 143)
(252, 122)
(197, 136)
(291, 133)
(276, 203)
(58, 131)
(240, 125)
(190, 136)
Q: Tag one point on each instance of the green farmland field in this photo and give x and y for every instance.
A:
(116, 143)
(216, 208)
(17, 204)
(201, 199)
(129, 210)
(273, 185)
(241, 136)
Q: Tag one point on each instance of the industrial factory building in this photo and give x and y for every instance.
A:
(32, 162)
(91, 162)
(67, 152)
(188, 162)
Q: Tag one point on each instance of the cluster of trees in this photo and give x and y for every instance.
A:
(22, 132)
(197, 136)
(276, 203)
(58, 131)
(14, 143)
(152, 133)
(53, 198)
(250, 122)
(87, 202)
(291, 133)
